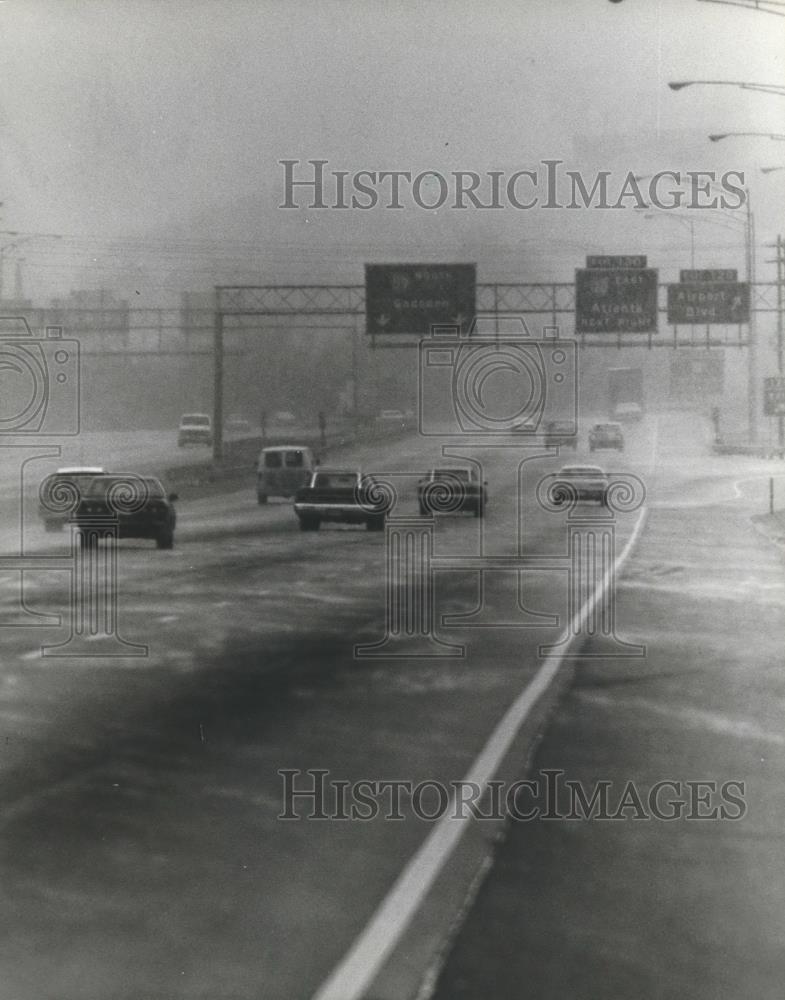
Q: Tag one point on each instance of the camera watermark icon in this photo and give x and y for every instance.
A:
(39, 381)
(40, 399)
(489, 394)
(494, 378)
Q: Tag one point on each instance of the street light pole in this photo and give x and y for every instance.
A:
(752, 388)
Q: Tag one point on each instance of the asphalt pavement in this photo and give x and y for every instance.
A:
(678, 892)
(144, 854)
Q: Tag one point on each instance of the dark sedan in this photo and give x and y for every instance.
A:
(444, 491)
(137, 505)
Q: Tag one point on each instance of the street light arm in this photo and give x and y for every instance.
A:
(761, 6)
(766, 88)
(717, 136)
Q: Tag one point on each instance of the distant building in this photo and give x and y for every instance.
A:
(95, 317)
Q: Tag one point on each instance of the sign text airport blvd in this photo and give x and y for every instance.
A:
(412, 298)
(709, 302)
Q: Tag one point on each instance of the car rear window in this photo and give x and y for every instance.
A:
(100, 486)
(461, 474)
(196, 420)
(333, 479)
(273, 460)
(80, 478)
(581, 470)
(294, 459)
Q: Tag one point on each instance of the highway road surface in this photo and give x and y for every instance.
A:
(686, 898)
(144, 853)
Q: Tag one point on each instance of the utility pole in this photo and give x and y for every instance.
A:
(780, 281)
(355, 371)
(752, 370)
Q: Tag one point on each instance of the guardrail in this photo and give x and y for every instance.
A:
(725, 446)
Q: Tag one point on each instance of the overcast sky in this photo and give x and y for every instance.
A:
(148, 133)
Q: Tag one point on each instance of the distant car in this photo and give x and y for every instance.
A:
(285, 417)
(629, 412)
(451, 490)
(195, 428)
(585, 482)
(139, 504)
(561, 432)
(237, 425)
(343, 495)
(391, 419)
(606, 436)
(526, 427)
(59, 488)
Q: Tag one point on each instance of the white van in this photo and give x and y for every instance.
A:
(282, 470)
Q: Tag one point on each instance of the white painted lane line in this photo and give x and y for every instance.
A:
(362, 963)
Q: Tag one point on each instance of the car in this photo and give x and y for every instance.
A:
(282, 470)
(609, 435)
(237, 425)
(561, 432)
(583, 482)
(628, 412)
(344, 495)
(443, 491)
(391, 420)
(195, 428)
(283, 418)
(60, 491)
(138, 504)
(525, 427)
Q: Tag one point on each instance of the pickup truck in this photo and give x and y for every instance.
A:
(342, 495)
(443, 491)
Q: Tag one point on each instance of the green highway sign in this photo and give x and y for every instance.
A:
(709, 302)
(616, 300)
(413, 298)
